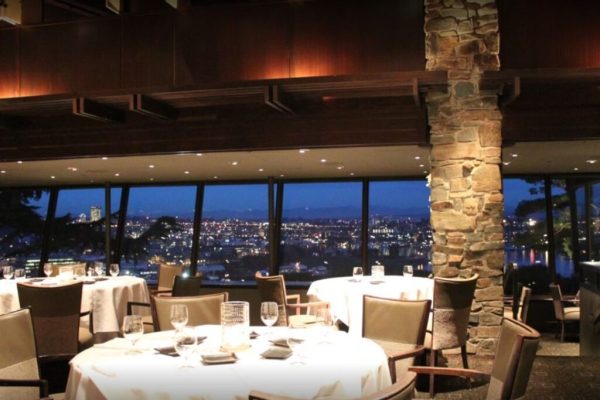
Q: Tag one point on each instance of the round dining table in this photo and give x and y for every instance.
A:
(345, 294)
(334, 365)
(106, 297)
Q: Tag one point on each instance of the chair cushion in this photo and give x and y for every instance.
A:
(57, 396)
(86, 339)
(571, 314)
(300, 321)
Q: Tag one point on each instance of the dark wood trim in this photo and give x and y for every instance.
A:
(273, 247)
(121, 223)
(47, 233)
(107, 220)
(364, 233)
(91, 109)
(197, 225)
(550, 228)
(149, 107)
(278, 219)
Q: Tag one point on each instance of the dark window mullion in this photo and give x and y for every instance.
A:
(197, 224)
(121, 224)
(48, 225)
(550, 228)
(277, 233)
(364, 254)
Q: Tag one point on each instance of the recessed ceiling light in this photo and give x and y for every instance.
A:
(151, 166)
(340, 167)
(234, 163)
(421, 165)
(186, 172)
(417, 157)
(351, 173)
(117, 174)
(514, 155)
(591, 161)
(199, 154)
(52, 177)
(215, 177)
(260, 170)
(151, 179)
(2, 172)
(575, 169)
(506, 163)
(302, 151)
(104, 158)
(425, 171)
(323, 160)
(72, 169)
(19, 162)
(282, 176)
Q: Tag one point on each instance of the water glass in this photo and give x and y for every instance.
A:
(378, 272)
(8, 272)
(133, 328)
(179, 316)
(185, 344)
(407, 271)
(357, 273)
(99, 268)
(20, 274)
(48, 269)
(269, 312)
(114, 270)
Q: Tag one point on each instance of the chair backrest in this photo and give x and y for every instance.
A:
(55, 311)
(401, 321)
(524, 303)
(187, 286)
(202, 310)
(452, 298)
(18, 354)
(167, 274)
(559, 311)
(272, 288)
(403, 389)
(515, 354)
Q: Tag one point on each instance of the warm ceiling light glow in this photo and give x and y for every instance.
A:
(506, 163)
(417, 157)
(302, 151)
(186, 172)
(2, 172)
(117, 174)
(151, 179)
(151, 166)
(91, 181)
(340, 167)
(591, 161)
(215, 177)
(234, 163)
(351, 173)
(575, 169)
(72, 169)
(104, 158)
(323, 160)
(425, 171)
(199, 154)
(19, 162)
(514, 155)
(52, 177)
(421, 165)
(282, 176)
(260, 169)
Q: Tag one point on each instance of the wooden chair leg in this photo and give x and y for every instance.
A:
(562, 331)
(392, 367)
(463, 353)
(432, 363)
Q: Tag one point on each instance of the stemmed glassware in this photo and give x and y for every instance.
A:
(48, 269)
(324, 321)
(99, 268)
(114, 270)
(8, 272)
(269, 313)
(179, 316)
(133, 328)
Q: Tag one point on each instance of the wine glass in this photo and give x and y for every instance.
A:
(133, 328)
(269, 312)
(114, 270)
(48, 269)
(20, 274)
(357, 274)
(8, 272)
(324, 321)
(99, 268)
(179, 316)
(185, 344)
(408, 271)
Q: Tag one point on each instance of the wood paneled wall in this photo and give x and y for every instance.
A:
(549, 33)
(215, 43)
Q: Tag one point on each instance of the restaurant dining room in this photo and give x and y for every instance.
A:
(299, 199)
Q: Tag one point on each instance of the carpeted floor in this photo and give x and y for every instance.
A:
(558, 374)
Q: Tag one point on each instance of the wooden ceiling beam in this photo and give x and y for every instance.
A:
(87, 108)
(277, 99)
(149, 107)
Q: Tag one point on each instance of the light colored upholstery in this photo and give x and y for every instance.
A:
(202, 310)
(523, 305)
(403, 389)
(272, 288)
(56, 267)
(561, 313)
(56, 315)
(397, 326)
(18, 357)
(166, 276)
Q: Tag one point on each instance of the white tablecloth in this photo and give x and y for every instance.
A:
(343, 367)
(346, 295)
(107, 299)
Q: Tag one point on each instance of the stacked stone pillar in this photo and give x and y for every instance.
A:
(465, 181)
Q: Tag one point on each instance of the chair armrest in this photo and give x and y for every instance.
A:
(400, 355)
(258, 395)
(131, 304)
(468, 373)
(157, 291)
(294, 297)
(40, 383)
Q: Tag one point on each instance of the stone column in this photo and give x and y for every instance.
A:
(465, 180)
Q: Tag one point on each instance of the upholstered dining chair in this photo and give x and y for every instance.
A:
(166, 277)
(403, 389)
(291, 311)
(452, 298)
(523, 306)
(512, 366)
(561, 313)
(19, 369)
(398, 326)
(56, 312)
(205, 309)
